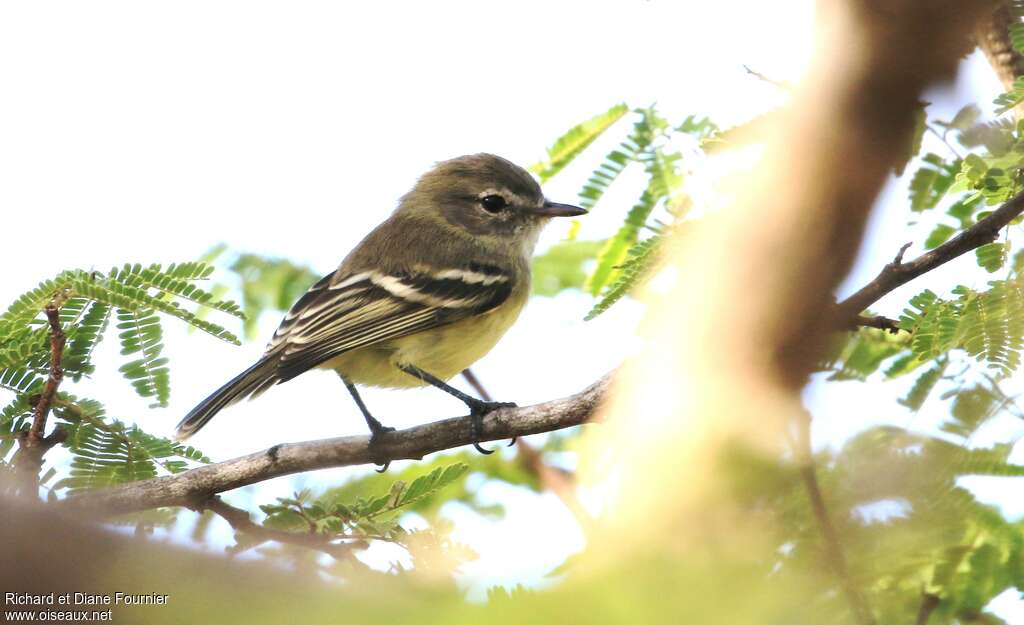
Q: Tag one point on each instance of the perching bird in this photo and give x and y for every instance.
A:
(421, 298)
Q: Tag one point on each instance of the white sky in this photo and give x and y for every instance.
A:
(148, 132)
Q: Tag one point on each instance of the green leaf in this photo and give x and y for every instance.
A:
(992, 256)
(433, 481)
(575, 140)
(141, 333)
(865, 351)
(995, 136)
(176, 281)
(83, 340)
(615, 162)
(269, 284)
(563, 266)
(931, 182)
(938, 236)
(965, 118)
(643, 258)
(1017, 36)
(615, 249)
(1011, 98)
(107, 452)
(971, 407)
(923, 387)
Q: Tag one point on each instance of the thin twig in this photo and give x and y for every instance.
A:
(785, 86)
(191, 488)
(942, 138)
(833, 545)
(477, 386)
(899, 255)
(878, 321)
(898, 273)
(241, 522)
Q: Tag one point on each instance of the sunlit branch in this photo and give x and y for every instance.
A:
(898, 273)
(193, 488)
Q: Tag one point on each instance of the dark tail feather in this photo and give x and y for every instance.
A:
(252, 381)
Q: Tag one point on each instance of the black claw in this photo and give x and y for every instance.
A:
(376, 431)
(477, 411)
(514, 440)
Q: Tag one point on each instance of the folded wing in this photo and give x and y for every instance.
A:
(345, 312)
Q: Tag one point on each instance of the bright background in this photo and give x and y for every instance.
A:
(291, 130)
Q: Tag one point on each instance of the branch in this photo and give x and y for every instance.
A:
(898, 273)
(193, 488)
(833, 545)
(241, 523)
(878, 321)
(57, 340)
(32, 445)
(781, 84)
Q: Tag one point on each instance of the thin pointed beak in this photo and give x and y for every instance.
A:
(554, 209)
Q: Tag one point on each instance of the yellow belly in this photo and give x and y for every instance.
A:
(442, 352)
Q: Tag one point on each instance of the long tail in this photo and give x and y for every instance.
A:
(250, 382)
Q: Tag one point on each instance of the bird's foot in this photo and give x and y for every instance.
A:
(376, 431)
(478, 409)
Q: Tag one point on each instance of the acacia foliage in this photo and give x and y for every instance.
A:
(914, 533)
(133, 302)
(911, 528)
(134, 298)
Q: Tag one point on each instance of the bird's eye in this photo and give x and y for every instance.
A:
(493, 203)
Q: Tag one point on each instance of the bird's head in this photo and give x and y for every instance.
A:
(486, 196)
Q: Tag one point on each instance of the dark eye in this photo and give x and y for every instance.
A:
(493, 203)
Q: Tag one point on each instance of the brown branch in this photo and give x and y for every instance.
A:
(33, 445)
(992, 34)
(898, 273)
(57, 340)
(477, 386)
(241, 522)
(194, 487)
(878, 321)
(833, 545)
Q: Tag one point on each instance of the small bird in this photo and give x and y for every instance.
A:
(421, 298)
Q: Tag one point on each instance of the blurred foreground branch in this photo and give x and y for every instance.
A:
(194, 488)
(993, 36)
(726, 400)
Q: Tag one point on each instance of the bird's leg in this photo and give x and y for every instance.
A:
(482, 392)
(376, 428)
(478, 408)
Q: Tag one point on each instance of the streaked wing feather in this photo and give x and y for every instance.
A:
(349, 312)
